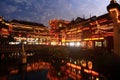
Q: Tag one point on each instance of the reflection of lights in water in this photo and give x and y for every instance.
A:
(11, 43)
(79, 72)
(62, 61)
(78, 62)
(89, 64)
(25, 42)
(29, 54)
(15, 53)
(18, 54)
(12, 54)
(97, 78)
(59, 74)
(92, 78)
(70, 60)
(75, 62)
(83, 63)
(74, 70)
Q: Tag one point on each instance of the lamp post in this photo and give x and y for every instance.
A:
(114, 11)
(23, 61)
(24, 56)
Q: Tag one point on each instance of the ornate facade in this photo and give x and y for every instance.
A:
(87, 33)
(56, 26)
(33, 33)
(30, 32)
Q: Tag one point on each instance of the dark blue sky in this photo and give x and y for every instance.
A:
(41, 11)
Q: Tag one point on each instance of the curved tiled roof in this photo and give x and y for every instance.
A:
(28, 23)
(113, 4)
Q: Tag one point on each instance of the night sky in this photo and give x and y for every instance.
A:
(41, 11)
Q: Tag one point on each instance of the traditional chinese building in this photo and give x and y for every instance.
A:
(114, 10)
(55, 30)
(86, 33)
(31, 32)
(5, 31)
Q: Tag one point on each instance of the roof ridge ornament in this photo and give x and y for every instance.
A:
(113, 1)
(113, 4)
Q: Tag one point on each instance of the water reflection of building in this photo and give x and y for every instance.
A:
(87, 33)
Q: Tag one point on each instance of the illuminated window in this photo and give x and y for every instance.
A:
(67, 44)
(98, 44)
(71, 43)
(83, 44)
(78, 44)
(90, 45)
(105, 43)
(63, 44)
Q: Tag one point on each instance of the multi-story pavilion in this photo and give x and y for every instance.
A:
(31, 32)
(86, 33)
(56, 26)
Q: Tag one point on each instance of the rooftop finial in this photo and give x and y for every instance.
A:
(113, 1)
